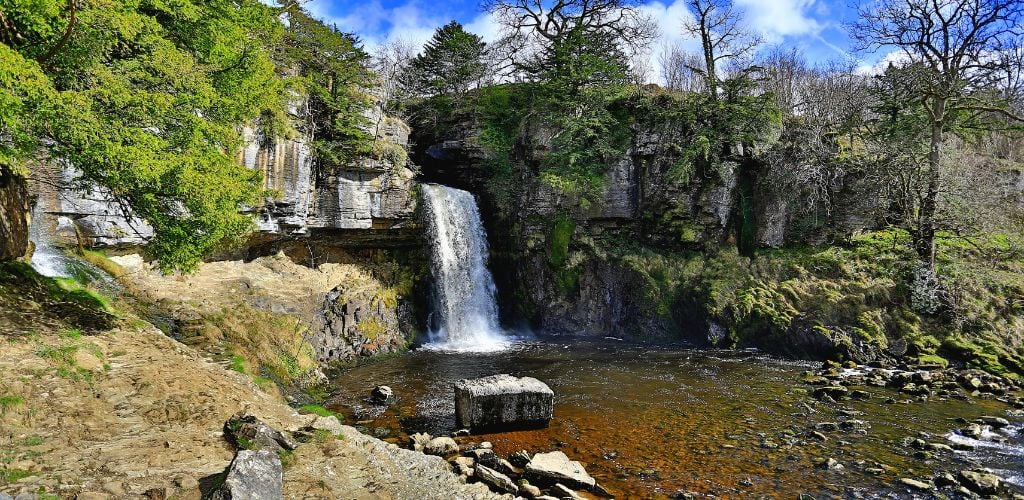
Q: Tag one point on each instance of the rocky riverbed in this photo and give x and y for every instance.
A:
(656, 421)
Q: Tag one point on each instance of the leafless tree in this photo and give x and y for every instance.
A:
(953, 41)
(390, 61)
(718, 24)
(532, 27)
(785, 72)
(681, 70)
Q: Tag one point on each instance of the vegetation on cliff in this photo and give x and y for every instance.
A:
(146, 99)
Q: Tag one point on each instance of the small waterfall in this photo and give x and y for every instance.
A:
(47, 260)
(465, 315)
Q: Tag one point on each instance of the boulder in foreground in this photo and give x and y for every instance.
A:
(503, 402)
(555, 467)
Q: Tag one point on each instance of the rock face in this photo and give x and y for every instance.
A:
(359, 322)
(14, 216)
(369, 195)
(503, 401)
(252, 475)
(555, 467)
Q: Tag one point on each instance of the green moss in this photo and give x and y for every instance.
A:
(371, 328)
(932, 359)
(318, 410)
(559, 239)
(237, 363)
(100, 260)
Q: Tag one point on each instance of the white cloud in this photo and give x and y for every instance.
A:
(896, 57)
(780, 18)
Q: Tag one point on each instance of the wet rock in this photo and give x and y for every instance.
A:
(252, 475)
(562, 491)
(553, 467)
(464, 465)
(829, 464)
(250, 433)
(503, 401)
(972, 431)
(853, 424)
(981, 482)
(915, 484)
(495, 479)
(832, 391)
(519, 458)
(441, 446)
(528, 490)
(946, 479)
(995, 422)
(419, 441)
(382, 394)
(940, 447)
(826, 427)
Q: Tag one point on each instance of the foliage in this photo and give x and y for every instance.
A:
(145, 99)
(333, 73)
(450, 63)
(318, 410)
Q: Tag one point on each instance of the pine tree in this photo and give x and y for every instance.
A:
(450, 64)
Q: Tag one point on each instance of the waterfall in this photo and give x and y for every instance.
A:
(46, 259)
(465, 315)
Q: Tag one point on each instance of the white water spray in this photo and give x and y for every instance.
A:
(465, 316)
(46, 259)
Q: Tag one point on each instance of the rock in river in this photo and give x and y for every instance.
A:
(555, 467)
(503, 402)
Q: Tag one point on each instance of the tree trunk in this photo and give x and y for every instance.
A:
(709, 65)
(14, 216)
(924, 240)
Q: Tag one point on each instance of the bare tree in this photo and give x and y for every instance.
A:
(390, 61)
(785, 72)
(681, 70)
(532, 29)
(724, 38)
(953, 42)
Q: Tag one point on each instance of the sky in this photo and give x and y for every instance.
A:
(813, 26)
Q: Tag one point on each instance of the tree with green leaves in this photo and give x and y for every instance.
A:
(452, 62)
(146, 100)
(333, 77)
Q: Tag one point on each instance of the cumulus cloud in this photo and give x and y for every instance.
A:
(776, 19)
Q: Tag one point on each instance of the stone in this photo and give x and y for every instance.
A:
(419, 441)
(981, 482)
(826, 427)
(831, 391)
(186, 482)
(973, 431)
(528, 490)
(519, 458)
(14, 216)
(503, 401)
(995, 422)
(441, 446)
(563, 491)
(329, 423)
(252, 475)
(555, 467)
(917, 485)
(496, 479)
(382, 394)
(249, 432)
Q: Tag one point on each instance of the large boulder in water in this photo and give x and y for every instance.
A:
(503, 402)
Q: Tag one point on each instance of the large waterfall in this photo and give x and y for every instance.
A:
(465, 315)
(46, 259)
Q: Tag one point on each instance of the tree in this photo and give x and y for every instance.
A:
(146, 99)
(572, 38)
(451, 63)
(333, 77)
(953, 44)
(723, 37)
(681, 70)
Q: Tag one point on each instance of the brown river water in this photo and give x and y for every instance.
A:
(657, 421)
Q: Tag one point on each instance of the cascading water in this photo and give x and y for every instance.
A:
(46, 259)
(465, 315)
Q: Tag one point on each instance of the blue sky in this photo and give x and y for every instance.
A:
(814, 26)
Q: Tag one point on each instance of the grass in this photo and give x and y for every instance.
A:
(63, 355)
(8, 476)
(9, 402)
(33, 441)
(318, 410)
(100, 260)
